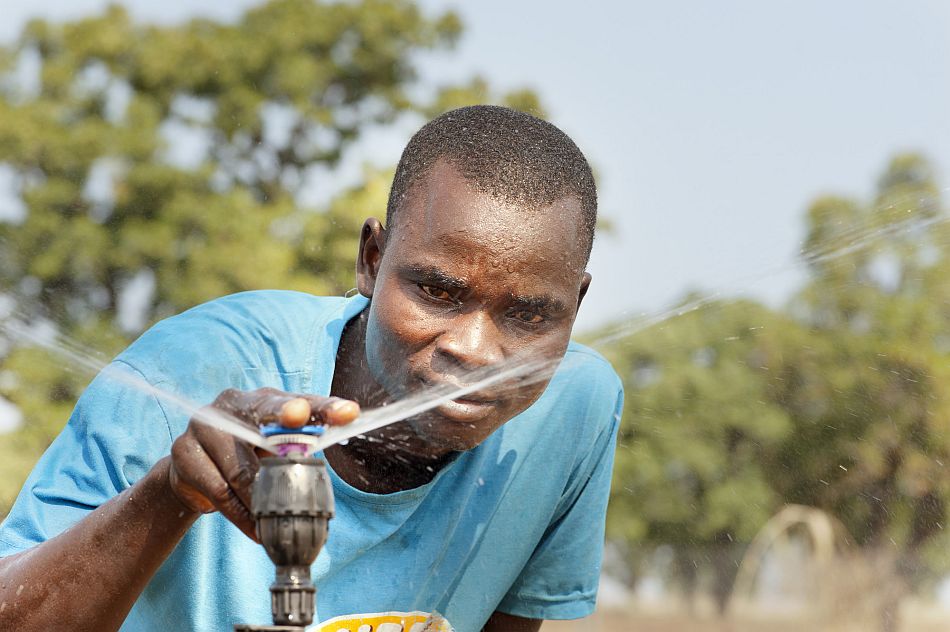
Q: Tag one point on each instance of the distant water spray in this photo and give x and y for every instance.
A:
(849, 241)
(49, 340)
(856, 241)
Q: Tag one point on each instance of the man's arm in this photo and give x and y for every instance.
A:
(91, 574)
(501, 622)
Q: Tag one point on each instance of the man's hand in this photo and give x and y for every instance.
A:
(502, 622)
(211, 470)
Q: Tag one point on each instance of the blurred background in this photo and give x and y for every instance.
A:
(770, 275)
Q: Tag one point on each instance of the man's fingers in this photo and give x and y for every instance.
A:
(332, 411)
(300, 410)
(196, 471)
(188, 495)
(236, 461)
(254, 407)
(187, 455)
(265, 406)
(268, 405)
(295, 413)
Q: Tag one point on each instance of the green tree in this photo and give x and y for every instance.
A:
(869, 395)
(116, 205)
(697, 445)
(841, 402)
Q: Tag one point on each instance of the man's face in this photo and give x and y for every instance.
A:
(465, 282)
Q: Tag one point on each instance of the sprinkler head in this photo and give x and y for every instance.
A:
(292, 503)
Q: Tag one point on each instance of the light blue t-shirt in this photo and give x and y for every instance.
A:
(515, 524)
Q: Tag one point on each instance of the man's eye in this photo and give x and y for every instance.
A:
(528, 317)
(435, 292)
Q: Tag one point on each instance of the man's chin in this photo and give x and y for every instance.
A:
(444, 435)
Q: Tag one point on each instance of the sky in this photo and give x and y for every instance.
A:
(711, 125)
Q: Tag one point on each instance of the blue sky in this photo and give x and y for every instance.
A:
(711, 125)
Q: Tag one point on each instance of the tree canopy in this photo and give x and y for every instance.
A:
(838, 401)
(156, 167)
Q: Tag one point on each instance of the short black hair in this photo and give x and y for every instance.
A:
(503, 152)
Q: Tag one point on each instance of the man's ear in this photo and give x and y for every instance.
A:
(372, 245)
(585, 285)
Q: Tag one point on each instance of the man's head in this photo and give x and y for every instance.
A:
(490, 223)
(509, 155)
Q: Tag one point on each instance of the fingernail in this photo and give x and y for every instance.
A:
(344, 406)
(295, 413)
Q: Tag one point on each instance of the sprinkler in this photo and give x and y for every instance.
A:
(292, 503)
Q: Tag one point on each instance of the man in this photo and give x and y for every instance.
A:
(488, 509)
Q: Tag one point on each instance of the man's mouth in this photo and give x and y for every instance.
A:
(468, 407)
(466, 410)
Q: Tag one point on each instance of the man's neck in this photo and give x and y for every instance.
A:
(386, 461)
(351, 375)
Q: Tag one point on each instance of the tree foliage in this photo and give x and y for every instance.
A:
(839, 401)
(160, 166)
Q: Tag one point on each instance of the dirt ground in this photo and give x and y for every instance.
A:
(620, 621)
(614, 621)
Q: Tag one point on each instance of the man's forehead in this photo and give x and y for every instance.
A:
(463, 249)
(446, 205)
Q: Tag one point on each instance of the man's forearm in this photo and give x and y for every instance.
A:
(90, 575)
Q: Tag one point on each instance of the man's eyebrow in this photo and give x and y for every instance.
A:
(541, 303)
(431, 274)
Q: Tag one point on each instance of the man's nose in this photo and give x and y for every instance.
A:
(473, 340)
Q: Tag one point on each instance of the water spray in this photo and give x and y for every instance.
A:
(292, 498)
(222, 421)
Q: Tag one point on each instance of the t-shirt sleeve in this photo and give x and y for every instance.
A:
(116, 432)
(561, 578)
